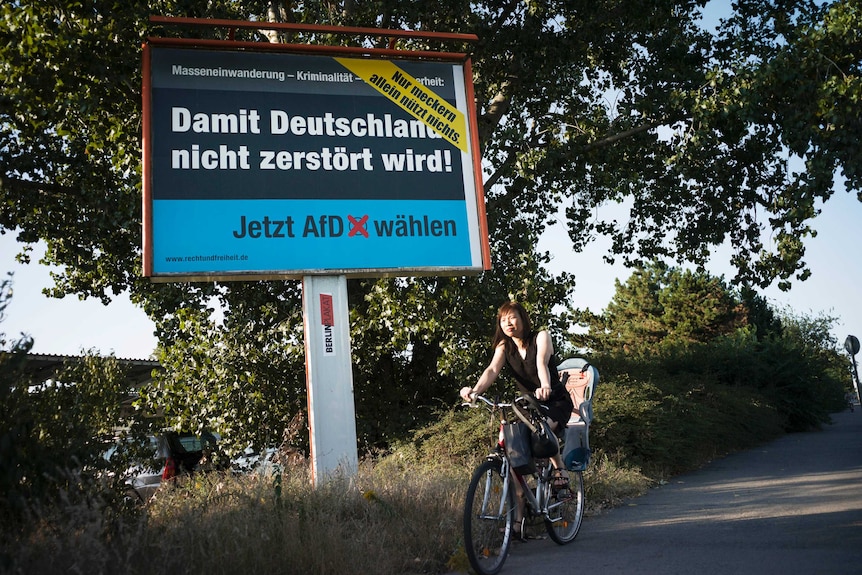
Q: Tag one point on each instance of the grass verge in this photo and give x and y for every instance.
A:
(389, 518)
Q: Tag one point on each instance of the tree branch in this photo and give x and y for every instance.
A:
(18, 184)
(613, 138)
(499, 104)
(498, 173)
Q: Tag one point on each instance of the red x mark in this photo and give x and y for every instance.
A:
(358, 226)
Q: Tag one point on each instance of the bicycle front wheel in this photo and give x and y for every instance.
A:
(566, 511)
(488, 518)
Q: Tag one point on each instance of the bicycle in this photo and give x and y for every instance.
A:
(490, 504)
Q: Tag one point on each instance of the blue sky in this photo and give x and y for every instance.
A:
(69, 326)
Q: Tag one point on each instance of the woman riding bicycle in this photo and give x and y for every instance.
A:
(530, 356)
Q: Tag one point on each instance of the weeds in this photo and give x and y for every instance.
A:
(387, 519)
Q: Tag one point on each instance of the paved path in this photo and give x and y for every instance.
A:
(793, 506)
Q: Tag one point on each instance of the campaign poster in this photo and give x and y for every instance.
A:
(266, 164)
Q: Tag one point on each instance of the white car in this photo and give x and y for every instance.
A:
(169, 455)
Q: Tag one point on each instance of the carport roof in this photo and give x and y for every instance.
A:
(43, 367)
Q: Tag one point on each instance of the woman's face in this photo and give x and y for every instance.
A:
(511, 324)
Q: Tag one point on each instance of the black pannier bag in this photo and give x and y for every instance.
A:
(543, 442)
(517, 439)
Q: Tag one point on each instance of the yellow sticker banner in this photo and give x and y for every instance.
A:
(413, 97)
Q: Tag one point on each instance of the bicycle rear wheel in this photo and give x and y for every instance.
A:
(566, 511)
(487, 519)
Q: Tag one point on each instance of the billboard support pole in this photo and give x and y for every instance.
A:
(329, 377)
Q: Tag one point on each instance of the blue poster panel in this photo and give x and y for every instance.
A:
(280, 164)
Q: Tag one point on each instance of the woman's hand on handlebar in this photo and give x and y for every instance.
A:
(467, 394)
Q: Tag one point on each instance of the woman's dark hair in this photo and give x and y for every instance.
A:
(506, 308)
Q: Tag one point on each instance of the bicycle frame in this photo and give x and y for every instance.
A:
(537, 501)
(503, 499)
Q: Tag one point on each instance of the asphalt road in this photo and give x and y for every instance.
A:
(793, 506)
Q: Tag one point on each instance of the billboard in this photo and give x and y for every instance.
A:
(267, 165)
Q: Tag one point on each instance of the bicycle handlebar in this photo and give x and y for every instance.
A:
(476, 398)
(516, 409)
(519, 410)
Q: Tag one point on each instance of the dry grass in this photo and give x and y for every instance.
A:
(387, 519)
(364, 524)
(608, 483)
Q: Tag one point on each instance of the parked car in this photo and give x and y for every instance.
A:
(167, 456)
(252, 461)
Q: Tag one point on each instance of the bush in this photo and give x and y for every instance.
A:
(53, 434)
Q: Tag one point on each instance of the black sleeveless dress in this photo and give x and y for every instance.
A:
(526, 373)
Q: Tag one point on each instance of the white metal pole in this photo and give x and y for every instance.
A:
(329, 377)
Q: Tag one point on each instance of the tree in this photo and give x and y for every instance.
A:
(783, 84)
(243, 377)
(661, 306)
(579, 103)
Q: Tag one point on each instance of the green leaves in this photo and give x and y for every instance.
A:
(242, 375)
